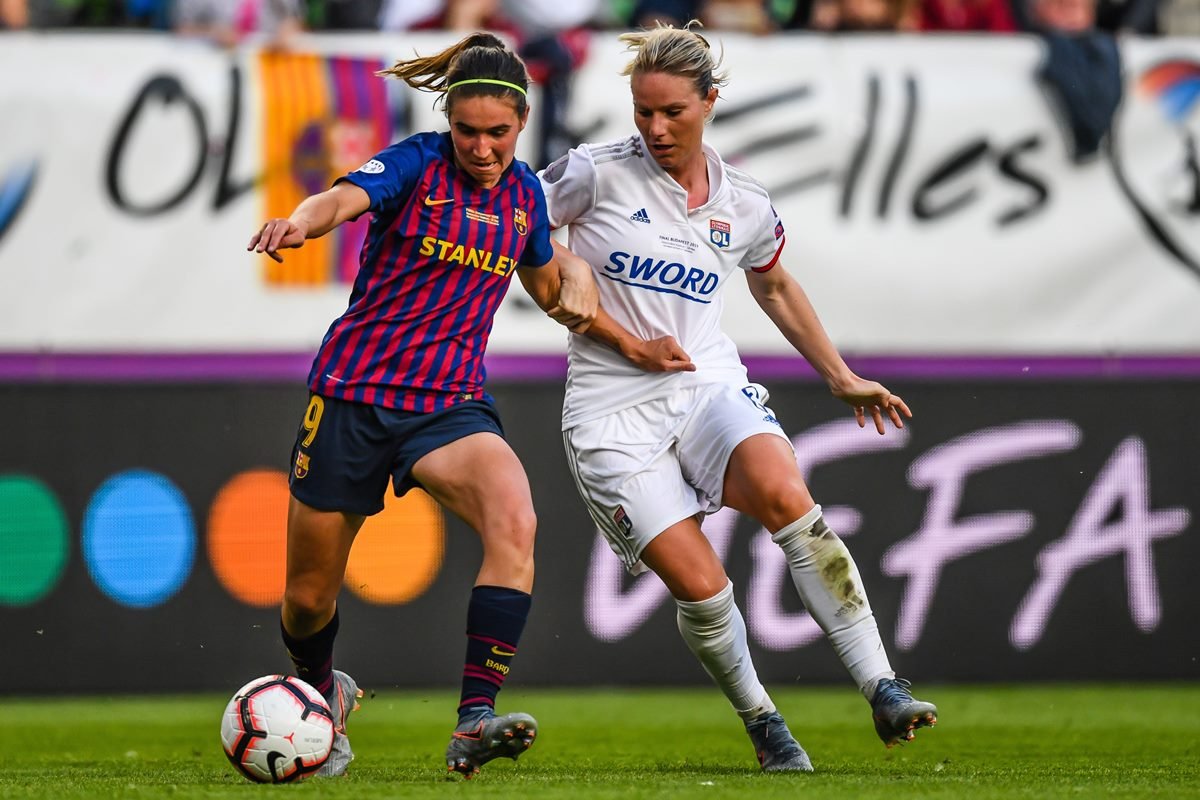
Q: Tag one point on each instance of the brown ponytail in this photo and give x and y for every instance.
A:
(479, 55)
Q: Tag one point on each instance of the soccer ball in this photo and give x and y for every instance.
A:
(277, 729)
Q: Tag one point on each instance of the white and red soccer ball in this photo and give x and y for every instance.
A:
(277, 729)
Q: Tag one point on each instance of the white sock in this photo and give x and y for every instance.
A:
(716, 633)
(832, 590)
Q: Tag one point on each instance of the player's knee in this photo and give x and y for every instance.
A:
(775, 502)
(709, 604)
(523, 530)
(698, 586)
(782, 504)
(511, 537)
(308, 603)
(779, 511)
(521, 525)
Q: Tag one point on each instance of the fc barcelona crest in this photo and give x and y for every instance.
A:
(520, 221)
(302, 462)
(719, 232)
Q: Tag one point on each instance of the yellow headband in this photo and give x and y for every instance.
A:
(487, 80)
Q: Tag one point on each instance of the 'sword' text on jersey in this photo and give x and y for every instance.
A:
(660, 275)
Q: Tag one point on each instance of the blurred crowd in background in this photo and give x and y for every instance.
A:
(227, 20)
(1081, 67)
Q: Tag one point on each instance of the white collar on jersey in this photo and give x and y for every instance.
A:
(717, 181)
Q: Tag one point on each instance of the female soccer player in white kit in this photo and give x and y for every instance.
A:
(662, 429)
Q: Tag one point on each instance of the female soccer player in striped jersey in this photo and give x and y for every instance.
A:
(664, 429)
(397, 385)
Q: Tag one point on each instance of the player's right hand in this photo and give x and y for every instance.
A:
(578, 300)
(662, 355)
(276, 234)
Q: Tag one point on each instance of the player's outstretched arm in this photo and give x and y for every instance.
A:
(552, 284)
(654, 355)
(786, 303)
(316, 216)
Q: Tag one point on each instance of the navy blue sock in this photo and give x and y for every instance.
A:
(495, 619)
(313, 657)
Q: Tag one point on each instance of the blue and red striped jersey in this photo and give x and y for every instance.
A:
(437, 261)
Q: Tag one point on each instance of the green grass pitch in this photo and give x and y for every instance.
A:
(1063, 741)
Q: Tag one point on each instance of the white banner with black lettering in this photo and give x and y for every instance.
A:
(930, 202)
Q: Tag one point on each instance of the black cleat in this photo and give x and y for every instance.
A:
(897, 713)
(776, 748)
(485, 736)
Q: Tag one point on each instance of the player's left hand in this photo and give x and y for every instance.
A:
(868, 397)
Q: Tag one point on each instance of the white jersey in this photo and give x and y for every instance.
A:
(660, 268)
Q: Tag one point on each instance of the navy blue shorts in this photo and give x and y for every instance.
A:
(345, 452)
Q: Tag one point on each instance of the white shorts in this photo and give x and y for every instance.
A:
(642, 469)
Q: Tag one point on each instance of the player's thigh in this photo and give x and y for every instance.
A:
(685, 561)
(727, 418)
(480, 479)
(627, 472)
(418, 436)
(764, 482)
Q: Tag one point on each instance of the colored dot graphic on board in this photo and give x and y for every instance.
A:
(247, 536)
(33, 540)
(398, 552)
(396, 555)
(139, 539)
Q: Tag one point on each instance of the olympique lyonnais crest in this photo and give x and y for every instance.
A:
(520, 221)
(719, 232)
(623, 521)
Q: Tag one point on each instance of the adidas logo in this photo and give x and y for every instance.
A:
(640, 216)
